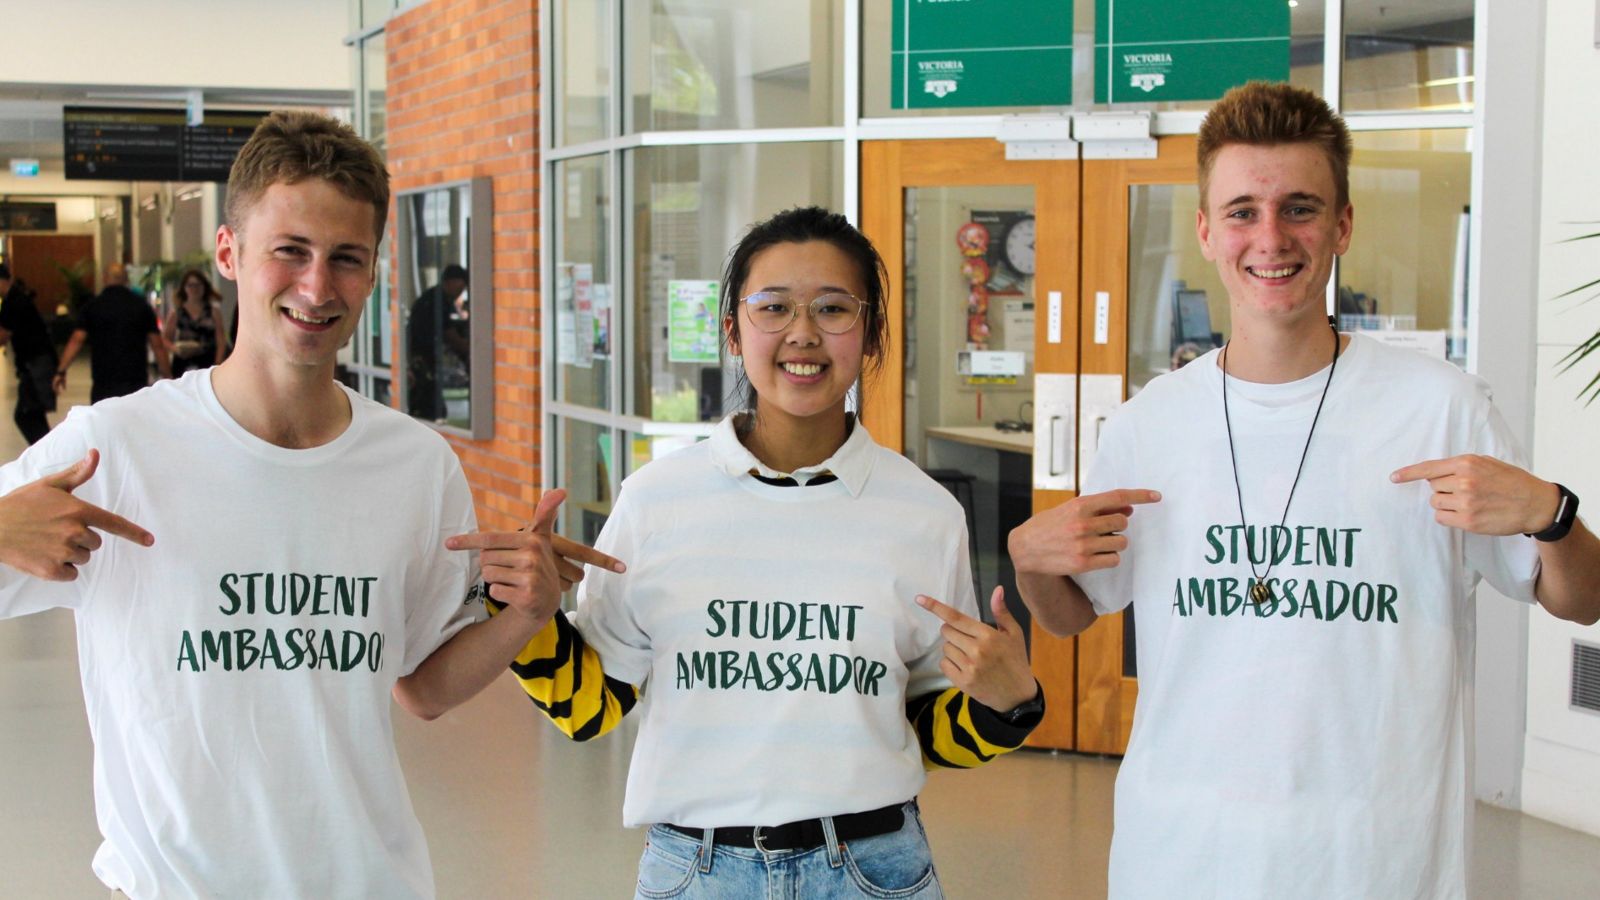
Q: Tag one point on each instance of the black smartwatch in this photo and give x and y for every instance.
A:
(1025, 711)
(1566, 514)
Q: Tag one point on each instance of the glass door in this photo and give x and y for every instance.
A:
(980, 249)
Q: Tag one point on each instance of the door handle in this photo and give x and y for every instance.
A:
(1059, 439)
(1055, 438)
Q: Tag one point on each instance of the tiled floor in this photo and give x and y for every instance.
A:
(512, 810)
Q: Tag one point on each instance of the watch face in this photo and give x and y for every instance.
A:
(1019, 246)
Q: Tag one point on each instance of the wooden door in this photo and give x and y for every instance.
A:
(1107, 684)
(39, 259)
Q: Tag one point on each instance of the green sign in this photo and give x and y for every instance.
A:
(1164, 50)
(692, 328)
(959, 53)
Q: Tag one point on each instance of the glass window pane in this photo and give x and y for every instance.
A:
(1305, 61)
(375, 12)
(584, 34)
(695, 64)
(689, 206)
(1405, 270)
(379, 325)
(1406, 267)
(642, 448)
(1307, 44)
(969, 264)
(1177, 306)
(374, 77)
(1408, 55)
(582, 290)
(584, 461)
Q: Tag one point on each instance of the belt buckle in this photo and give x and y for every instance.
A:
(755, 838)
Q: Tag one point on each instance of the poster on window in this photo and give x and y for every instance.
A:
(997, 259)
(692, 332)
(566, 317)
(583, 315)
(602, 321)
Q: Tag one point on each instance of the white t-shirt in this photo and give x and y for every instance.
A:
(1318, 748)
(775, 630)
(237, 673)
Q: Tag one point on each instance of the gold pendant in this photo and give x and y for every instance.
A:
(1260, 593)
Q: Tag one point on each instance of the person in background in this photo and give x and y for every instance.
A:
(120, 328)
(798, 676)
(32, 353)
(438, 341)
(194, 329)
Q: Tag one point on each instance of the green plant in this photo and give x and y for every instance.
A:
(1592, 343)
(80, 288)
(157, 275)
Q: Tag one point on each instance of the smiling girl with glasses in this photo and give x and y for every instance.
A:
(776, 621)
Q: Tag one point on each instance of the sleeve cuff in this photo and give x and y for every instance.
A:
(1001, 729)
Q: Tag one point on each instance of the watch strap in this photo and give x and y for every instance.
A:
(1028, 711)
(1566, 514)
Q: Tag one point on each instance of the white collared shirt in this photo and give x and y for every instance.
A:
(775, 630)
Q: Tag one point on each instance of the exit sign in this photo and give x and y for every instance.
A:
(25, 168)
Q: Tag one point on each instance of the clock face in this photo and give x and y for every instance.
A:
(1019, 246)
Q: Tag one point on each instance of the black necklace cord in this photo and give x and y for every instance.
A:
(1262, 593)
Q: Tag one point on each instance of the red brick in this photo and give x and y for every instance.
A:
(463, 102)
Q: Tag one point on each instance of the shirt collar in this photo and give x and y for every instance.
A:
(851, 463)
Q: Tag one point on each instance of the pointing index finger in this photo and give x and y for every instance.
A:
(581, 553)
(111, 523)
(1428, 469)
(1122, 497)
(951, 616)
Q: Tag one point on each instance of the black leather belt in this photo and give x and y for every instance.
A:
(805, 835)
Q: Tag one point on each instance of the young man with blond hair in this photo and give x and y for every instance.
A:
(1302, 563)
(301, 555)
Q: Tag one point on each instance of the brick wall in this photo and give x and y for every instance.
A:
(462, 103)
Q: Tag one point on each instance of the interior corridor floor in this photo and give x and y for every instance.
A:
(513, 810)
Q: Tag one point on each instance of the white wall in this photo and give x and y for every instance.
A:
(1561, 774)
(1501, 334)
(282, 44)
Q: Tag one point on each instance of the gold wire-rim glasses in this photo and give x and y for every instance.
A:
(774, 311)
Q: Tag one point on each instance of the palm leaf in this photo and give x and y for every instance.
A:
(1581, 287)
(1590, 346)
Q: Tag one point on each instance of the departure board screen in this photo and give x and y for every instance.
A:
(123, 144)
(116, 144)
(209, 150)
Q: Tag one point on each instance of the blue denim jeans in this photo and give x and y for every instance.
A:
(895, 865)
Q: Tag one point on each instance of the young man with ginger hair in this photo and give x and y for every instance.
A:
(1302, 563)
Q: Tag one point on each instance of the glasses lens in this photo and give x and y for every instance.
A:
(836, 313)
(770, 312)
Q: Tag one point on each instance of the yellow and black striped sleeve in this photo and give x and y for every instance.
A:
(563, 677)
(958, 732)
